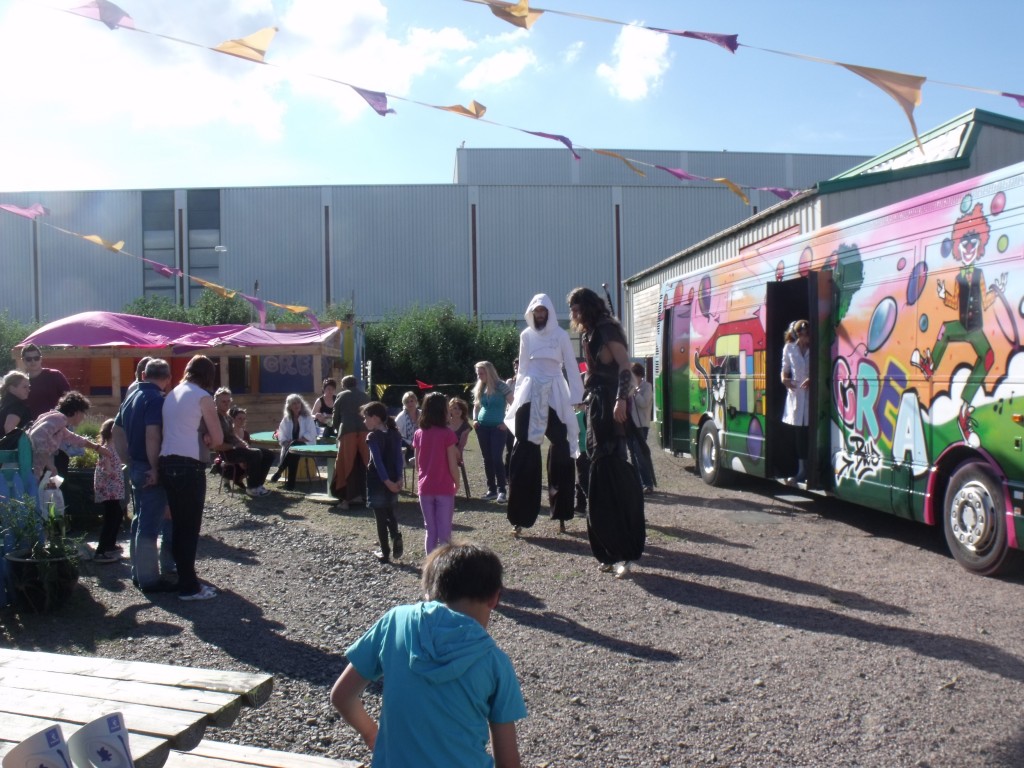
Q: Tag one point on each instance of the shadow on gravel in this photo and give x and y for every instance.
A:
(694, 537)
(1008, 753)
(241, 630)
(563, 626)
(983, 656)
(214, 548)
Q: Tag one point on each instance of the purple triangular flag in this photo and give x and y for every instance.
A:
(163, 269)
(107, 12)
(313, 321)
(780, 192)
(679, 173)
(377, 100)
(32, 212)
(1016, 97)
(729, 42)
(555, 137)
(261, 308)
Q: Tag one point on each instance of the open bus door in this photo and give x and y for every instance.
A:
(675, 379)
(804, 298)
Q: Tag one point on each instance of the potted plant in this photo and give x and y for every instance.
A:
(79, 497)
(43, 573)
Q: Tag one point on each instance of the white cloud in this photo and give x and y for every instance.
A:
(640, 58)
(572, 53)
(499, 68)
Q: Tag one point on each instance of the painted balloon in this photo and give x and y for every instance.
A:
(923, 323)
(780, 271)
(916, 281)
(705, 295)
(998, 203)
(805, 261)
(947, 248)
(966, 204)
(755, 439)
(901, 264)
(689, 296)
(1003, 243)
(883, 320)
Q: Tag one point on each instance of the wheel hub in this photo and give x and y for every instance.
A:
(970, 516)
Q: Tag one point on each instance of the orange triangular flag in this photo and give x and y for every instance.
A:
(252, 47)
(518, 15)
(115, 247)
(736, 190)
(904, 88)
(475, 109)
(609, 153)
(291, 307)
(220, 290)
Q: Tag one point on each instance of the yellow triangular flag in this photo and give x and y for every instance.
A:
(736, 190)
(475, 109)
(252, 47)
(904, 88)
(518, 15)
(220, 290)
(609, 153)
(291, 307)
(115, 247)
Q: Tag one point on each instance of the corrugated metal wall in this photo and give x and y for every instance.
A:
(542, 240)
(17, 287)
(274, 235)
(395, 246)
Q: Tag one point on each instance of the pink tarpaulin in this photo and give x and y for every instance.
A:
(112, 329)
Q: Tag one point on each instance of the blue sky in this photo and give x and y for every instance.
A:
(88, 108)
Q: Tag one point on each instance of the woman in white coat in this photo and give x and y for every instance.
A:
(796, 371)
(297, 428)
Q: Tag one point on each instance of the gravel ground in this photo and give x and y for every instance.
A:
(761, 628)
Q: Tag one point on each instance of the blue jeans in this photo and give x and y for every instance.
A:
(184, 480)
(148, 522)
(492, 443)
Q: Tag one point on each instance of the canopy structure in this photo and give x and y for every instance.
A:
(111, 334)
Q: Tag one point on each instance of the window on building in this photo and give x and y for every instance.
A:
(203, 237)
(158, 241)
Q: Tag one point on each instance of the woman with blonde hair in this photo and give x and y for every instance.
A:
(297, 427)
(491, 396)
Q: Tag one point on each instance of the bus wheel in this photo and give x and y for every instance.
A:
(975, 522)
(708, 449)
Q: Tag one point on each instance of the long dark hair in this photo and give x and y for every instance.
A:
(592, 308)
(379, 410)
(434, 412)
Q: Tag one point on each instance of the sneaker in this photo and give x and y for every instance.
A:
(606, 567)
(106, 557)
(517, 531)
(622, 570)
(502, 498)
(648, 490)
(490, 496)
(206, 592)
(257, 492)
(398, 547)
(382, 556)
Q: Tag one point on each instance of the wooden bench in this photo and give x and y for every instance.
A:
(219, 754)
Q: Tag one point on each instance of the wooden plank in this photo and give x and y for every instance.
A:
(184, 730)
(218, 754)
(221, 709)
(254, 688)
(147, 751)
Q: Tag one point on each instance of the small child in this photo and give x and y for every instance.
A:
(437, 469)
(108, 485)
(383, 476)
(458, 422)
(446, 681)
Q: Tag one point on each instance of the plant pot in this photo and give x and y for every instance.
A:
(40, 584)
(79, 498)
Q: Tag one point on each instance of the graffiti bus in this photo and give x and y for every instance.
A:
(916, 392)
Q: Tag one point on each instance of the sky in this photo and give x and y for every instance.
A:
(85, 107)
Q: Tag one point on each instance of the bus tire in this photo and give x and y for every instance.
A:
(974, 520)
(709, 450)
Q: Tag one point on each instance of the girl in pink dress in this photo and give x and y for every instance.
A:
(108, 486)
(437, 458)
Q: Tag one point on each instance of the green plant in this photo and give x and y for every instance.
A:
(87, 460)
(20, 520)
(12, 331)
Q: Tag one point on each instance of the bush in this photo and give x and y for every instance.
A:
(11, 333)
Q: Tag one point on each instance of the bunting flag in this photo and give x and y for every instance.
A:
(380, 389)
(518, 15)
(163, 269)
(220, 290)
(729, 42)
(259, 306)
(115, 247)
(1015, 96)
(903, 88)
(679, 173)
(475, 109)
(251, 47)
(293, 308)
(735, 189)
(629, 165)
(553, 137)
(106, 12)
(378, 100)
(780, 192)
(423, 385)
(32, 212)
(313, 320)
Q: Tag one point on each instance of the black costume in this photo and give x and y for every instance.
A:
(615, 514)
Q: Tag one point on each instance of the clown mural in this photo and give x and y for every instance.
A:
(970, 298)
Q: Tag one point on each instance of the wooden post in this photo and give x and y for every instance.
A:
(224, 370)
(318, 371)
(115, 379)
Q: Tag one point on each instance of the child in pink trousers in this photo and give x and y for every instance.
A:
(437, 457)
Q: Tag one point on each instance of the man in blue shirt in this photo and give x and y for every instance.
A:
(138, 430)
(447, 684)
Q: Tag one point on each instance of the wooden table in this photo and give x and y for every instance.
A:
(325, 451)
(165, 706)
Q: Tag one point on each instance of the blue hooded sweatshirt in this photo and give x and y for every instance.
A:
(445, 679)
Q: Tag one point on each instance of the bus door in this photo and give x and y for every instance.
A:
(675, 379)
(804, 298)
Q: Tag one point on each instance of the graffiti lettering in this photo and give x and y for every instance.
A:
(893, 384)
(859, 459)
(908, 443)
(867, 395)
(842, 391)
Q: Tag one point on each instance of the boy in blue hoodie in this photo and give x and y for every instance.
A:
(447, 684)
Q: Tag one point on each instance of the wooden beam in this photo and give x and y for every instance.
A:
(115, 379)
